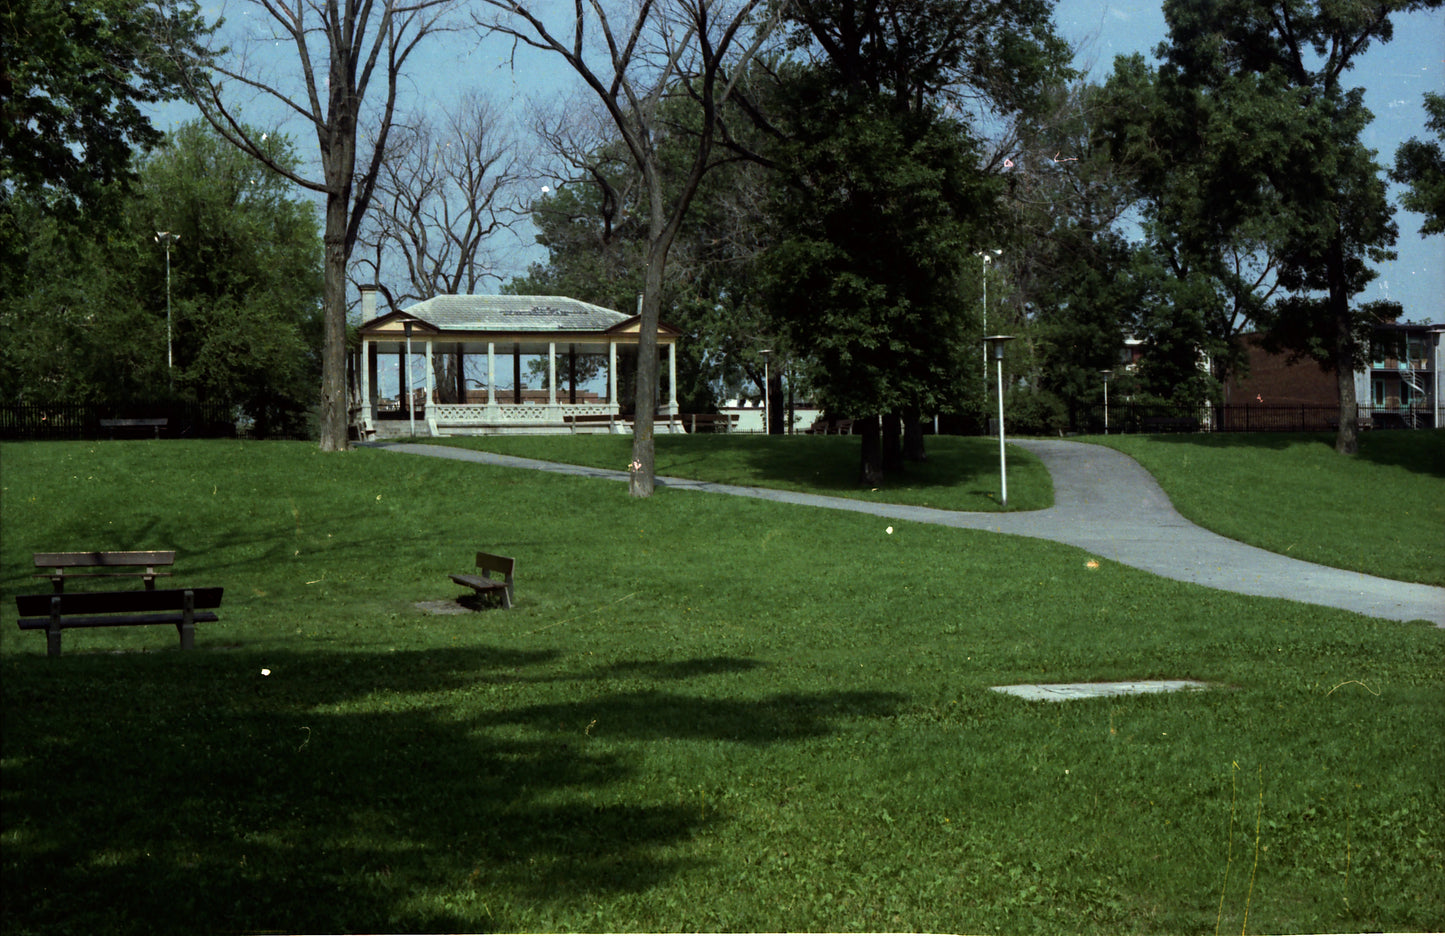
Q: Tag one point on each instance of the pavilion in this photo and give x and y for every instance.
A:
(461, 339)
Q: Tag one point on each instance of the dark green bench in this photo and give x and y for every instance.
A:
(183, 607)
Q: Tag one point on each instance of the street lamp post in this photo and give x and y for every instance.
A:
(1107, 374)
(987, 257)
(994, 344)
(166, 238)
(767, 391)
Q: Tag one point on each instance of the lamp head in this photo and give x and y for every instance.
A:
(996, 343)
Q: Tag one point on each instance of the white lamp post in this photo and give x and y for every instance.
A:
(767, 400)
(994, 344)
(1107, 374)
(987, 257)
(166, 238)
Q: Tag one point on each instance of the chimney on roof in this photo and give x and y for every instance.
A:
(368, 302)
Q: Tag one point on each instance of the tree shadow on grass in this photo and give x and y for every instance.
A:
(345, 792)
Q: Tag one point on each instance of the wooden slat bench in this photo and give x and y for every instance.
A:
(183, 607)
(141, 563)
(590, 419)
(484, 584)
(114, 424)
(709, 422)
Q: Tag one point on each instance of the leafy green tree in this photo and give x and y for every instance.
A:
(75, 77)
(1262, 126)
(75, 329)
(246, 273)
(1420, 165)
(1077, 290)
(89, 324)
(885, 194)
(875, 230)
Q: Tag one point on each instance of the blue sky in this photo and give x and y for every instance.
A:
(1395, 76)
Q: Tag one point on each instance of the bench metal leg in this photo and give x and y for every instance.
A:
(187, 627)
(52, 630)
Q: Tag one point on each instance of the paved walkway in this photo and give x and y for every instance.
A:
(1106, 503)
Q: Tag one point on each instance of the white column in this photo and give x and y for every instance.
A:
(366, 380)
(551, 373)
(491, 373)
(612, 374)
(672, 378)
(430, 378)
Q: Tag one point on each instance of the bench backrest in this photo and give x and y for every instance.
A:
(71, 560)
(502, 565)
(161, 599)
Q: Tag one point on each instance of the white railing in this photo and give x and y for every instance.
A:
(462, 413)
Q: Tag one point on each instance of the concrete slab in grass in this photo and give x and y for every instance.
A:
(1063, 692)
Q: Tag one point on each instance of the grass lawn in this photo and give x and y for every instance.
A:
(1382, 513)
(959, 474)
(704, 713)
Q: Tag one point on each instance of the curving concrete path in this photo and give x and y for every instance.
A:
(1106, 503)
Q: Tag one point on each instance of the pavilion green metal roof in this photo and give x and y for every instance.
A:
(514, 314)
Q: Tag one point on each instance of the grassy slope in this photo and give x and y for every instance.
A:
(959, 474)
(1382, 513)
(705, 713)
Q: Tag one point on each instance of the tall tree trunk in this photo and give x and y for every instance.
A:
(892, 442)
(870, 465)
(333, 343)
(777, 404)
(644, 450)
(1347, 441)
(913, 438)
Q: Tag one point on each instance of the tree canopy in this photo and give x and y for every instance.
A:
(1420, 166)
(86, 321)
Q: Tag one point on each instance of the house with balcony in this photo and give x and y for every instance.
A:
(1401, 389)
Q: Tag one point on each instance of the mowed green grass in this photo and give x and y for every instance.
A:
(960, 473)
(1382, 512)
(704, 713)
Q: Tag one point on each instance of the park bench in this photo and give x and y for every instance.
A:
(710, 422)
(485, 584)
(114, 424)
(589, 419)
(183, 607)
(830, 427)
(1168, 424)
(140, 563)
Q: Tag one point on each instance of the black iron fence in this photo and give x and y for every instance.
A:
(1251, 417)
(20, 421)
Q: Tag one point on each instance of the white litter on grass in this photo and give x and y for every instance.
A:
(889, 531)
(1063, 692)
(265, 672)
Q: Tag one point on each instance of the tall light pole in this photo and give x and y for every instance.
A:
(994, 344)
(987, 257)
(767, 400)
(1107, 374)
(166, 238)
